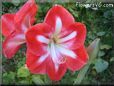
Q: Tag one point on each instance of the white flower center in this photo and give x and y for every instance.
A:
(55, 45)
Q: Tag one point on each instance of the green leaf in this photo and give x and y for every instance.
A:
(105, 47)
(23, 82)
(101, 53)
(16, 2)
(37, 79)
(93, 52)
(101, 33)
(23, 72)
(101, 65)
(75, 13)
(112, 59)
(8, 78)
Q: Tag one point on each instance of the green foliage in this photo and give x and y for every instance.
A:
(92, 50)
(101, 65)
(101, 53)
(105, 46)
(112, 59)
(100, 33)
(16, 2)
(23, 72)
(9, 77)
(37, 80)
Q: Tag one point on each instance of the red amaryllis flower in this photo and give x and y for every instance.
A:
(14, 27)
(56, 44)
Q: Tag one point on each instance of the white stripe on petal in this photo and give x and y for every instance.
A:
(13, 43)
(42, 39)
(17, 40)
(58, 25)
(54, 56)
(20, 36)
(53, 53)
(24, 28)
(56, 67)
(42, 58)
(66, 52)
(70, 36)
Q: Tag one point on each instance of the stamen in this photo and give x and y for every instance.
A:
(61, 59)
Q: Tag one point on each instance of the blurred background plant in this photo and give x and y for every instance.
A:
(99, 23)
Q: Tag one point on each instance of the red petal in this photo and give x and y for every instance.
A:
(33, 64)
(46, 67)
(12, 44)
(33, 13)
(79, 39)
(35, 46)
(8, 25)
(62, 13)
(52, 73)
(28, 9)
(80, 61)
